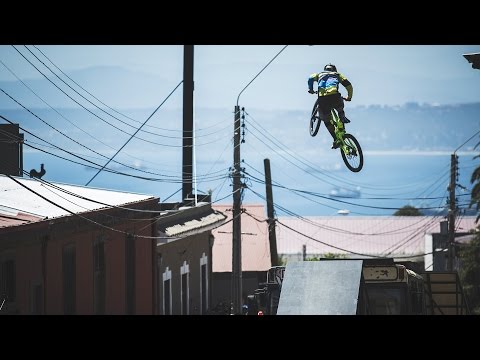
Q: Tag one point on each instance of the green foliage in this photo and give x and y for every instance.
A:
(470, 254)
(470, 273)
(282, 260)
(408, 210)
(475, 179)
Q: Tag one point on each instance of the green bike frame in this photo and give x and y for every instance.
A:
(339, 130)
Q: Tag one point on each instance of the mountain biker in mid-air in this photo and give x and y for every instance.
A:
(329, 97)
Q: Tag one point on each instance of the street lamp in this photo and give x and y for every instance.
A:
(260, 72)
(237, 186)
(474, 59)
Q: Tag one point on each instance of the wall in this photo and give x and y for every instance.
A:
(174, 255)
(24, 243)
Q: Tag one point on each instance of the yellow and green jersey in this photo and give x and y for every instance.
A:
(328, 83)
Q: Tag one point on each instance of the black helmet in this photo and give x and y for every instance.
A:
(330, 67)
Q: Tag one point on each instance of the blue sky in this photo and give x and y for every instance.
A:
(140, 77)
(381, 74)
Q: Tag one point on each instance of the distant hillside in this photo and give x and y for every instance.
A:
(415, 126)
(408, 127)
(378, 128)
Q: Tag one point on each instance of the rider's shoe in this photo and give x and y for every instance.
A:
(344, 120)
(335, 145)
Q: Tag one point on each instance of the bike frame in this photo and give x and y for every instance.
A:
(349, 146)
(339, 129)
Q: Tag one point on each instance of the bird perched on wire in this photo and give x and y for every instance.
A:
(38, 174)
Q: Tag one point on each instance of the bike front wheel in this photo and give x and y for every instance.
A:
(315, 120)
(352, 154)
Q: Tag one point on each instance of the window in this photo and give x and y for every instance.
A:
(204, 283)
(7, 281)
(69, 280)
(167, 292)
(130, 274)
(99, 276)
(185, 272)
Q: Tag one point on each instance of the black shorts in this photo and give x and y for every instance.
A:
(328, 102)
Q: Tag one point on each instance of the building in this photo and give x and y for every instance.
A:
(67, 249)
(11, 148)
(184, 259)
(400, 237)
(256, 258)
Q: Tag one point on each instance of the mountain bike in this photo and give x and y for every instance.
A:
(350, 149)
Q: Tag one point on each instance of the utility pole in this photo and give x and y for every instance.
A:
(187, 173)
(237, 200)
(237, 224)
(271, 221)
(304, 252)
(452, 211)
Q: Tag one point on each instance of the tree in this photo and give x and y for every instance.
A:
(408, 210)
(469, 273)
(475, 179)
(470, 254)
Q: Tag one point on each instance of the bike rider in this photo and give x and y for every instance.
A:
(329, 97)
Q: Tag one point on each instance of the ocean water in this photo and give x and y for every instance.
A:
(387, 181)
(305, 171)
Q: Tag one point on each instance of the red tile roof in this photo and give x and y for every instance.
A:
(7, 220)
(255, 244)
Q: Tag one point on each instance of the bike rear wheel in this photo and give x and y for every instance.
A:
(352, 154)
(315, 120)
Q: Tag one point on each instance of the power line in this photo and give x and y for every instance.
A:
(98, 166)
(297, 157)
(131, 137)
(88, 110)
(342, 201)
(470, 138)
(94, 222)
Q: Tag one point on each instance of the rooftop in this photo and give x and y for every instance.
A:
(23, 200)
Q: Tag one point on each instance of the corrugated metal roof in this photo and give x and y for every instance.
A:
(375, 235)
(13, 195)
(255, 244)
(195, 224)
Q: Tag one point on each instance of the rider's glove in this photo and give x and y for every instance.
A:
(311, 91)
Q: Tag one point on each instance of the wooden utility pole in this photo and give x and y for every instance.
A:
(270, 212)
(187, 173)
(237, 224)
(451, 211)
